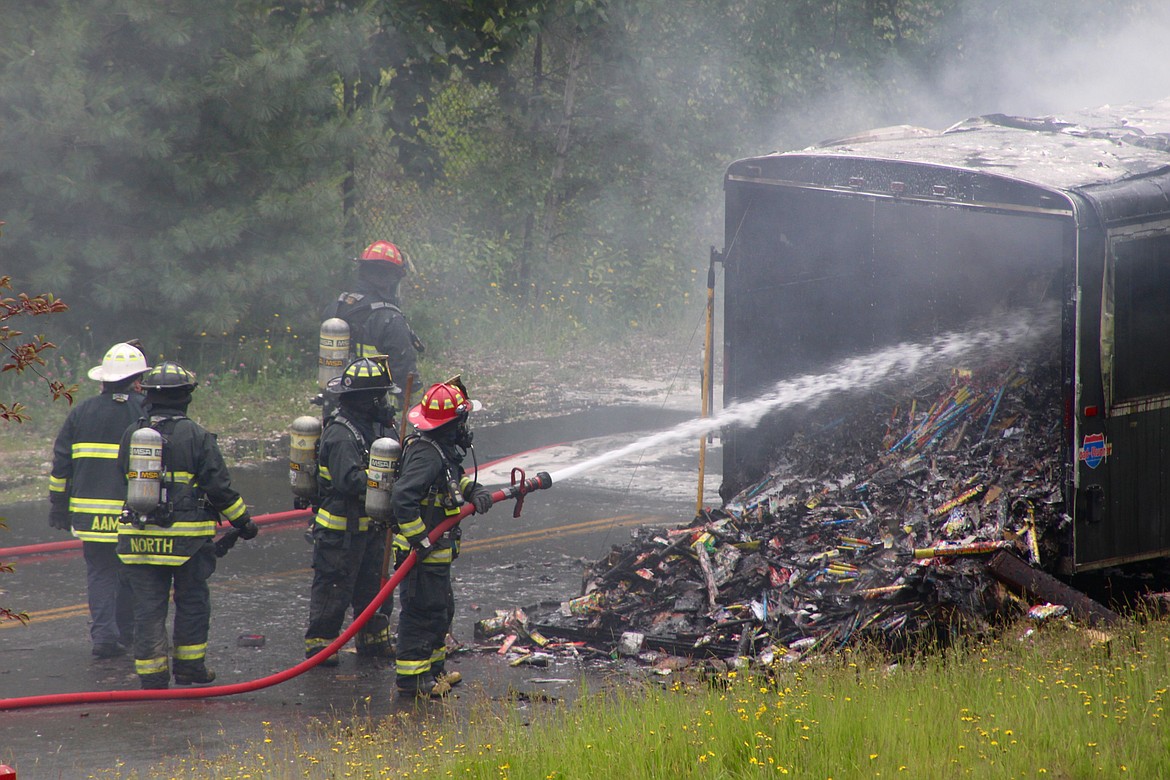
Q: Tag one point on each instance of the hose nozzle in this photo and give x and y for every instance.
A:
(521, 487)
(542, 481)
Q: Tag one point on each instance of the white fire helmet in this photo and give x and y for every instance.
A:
(122, 361)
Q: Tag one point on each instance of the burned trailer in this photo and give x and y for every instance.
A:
(899, 235)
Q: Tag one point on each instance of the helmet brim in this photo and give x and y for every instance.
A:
(391, 388)
(99, 374)
(420, 421)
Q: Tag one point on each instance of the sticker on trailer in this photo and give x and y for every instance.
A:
(1095, 450)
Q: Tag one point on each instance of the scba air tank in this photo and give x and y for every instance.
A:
(384, 454)
(333, 351)
(144, 471)
(304, 433)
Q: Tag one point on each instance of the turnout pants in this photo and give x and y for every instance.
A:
(347, 573)
(427, 606)
(152, 586)
(111, 603)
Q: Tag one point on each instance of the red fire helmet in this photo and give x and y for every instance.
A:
(441, 403)
(383, 252)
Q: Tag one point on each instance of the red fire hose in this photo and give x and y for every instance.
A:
(44, 548)
(517, 490)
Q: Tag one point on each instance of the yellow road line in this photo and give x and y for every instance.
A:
(492, 543)
(73, 610)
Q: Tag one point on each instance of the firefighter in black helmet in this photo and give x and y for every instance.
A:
(347, 549)
(170, 546)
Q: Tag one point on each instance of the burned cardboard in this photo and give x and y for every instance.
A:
(874, 526)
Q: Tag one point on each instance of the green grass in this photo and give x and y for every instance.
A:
(1061, 703)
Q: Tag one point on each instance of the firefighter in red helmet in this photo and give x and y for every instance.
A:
(431, 486)
(371, 309)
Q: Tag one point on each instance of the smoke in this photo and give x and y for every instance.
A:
(1111, 57)
(1021, 58)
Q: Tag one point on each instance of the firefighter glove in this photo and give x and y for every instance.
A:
(421, 544)
(246, 527)
(481, 498)
(59, 518)
(225, 543)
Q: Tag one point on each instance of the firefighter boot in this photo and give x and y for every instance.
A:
(109, 650)
(192, 673)
(450, 679)
(316, 645)
(373, 641)
(155, 681)
(422, 686)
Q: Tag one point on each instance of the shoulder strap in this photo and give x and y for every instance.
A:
(338, 417)
(415, 341)
(155, 420)
(416, 437)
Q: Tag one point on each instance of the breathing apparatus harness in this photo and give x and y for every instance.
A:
(353, 308)
(451, 496)
(353, 507)
(150, 498)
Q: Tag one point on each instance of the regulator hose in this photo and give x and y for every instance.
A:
(516, 490)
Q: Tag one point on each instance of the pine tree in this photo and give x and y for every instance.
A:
(175, 167)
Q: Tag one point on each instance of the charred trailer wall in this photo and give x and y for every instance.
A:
(817, 273)
(835, 253)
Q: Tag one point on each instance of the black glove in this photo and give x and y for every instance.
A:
(59, 517)
(226, 542)
(481, 499)
(421, 544)
(246, 527)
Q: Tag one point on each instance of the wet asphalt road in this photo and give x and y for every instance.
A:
(262, 587)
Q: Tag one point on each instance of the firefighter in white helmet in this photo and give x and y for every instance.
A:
(86, 491)
(170, 546)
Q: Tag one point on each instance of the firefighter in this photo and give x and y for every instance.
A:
(169, 545)
(430, 487)
(377, 324)
(347, 547)
(86, 492)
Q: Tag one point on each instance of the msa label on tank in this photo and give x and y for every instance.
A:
(1095, 450)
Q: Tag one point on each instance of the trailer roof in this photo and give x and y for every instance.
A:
(1091, 147)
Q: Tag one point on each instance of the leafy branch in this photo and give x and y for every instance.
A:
(26, 355)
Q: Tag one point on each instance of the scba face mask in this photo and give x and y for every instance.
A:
(383, 409)
(463, 434)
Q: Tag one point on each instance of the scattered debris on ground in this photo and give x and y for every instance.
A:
(875, 527)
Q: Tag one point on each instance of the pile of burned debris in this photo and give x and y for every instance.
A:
(877, 526)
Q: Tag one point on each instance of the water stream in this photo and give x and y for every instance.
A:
(858, 373)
